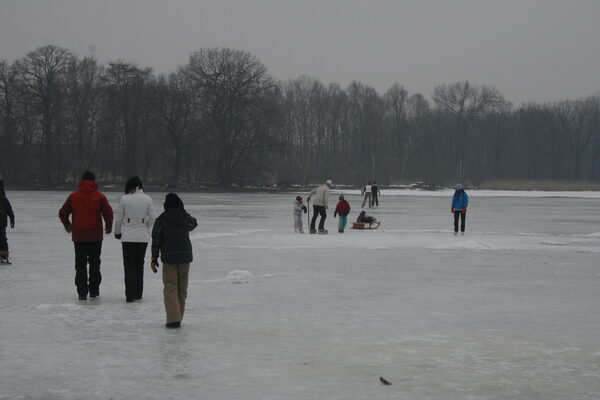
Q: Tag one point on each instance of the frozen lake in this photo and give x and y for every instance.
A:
(509, 311)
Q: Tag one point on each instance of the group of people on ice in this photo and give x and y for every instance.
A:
(371, 194)
(82, 216)
(87, 216)
(320, 196)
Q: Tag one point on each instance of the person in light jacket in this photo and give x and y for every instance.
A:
(171, 240)
(319, 196)
(134, 217)
(367, 193)
(299, 207)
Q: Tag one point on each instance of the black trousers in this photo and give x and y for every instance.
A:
(375, 198)
(87, 252)
(457, 215)
(133, 261)
(3, 241)
(318, 210)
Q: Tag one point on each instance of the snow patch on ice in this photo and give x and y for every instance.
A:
(65, 306)
(239, 276)
(554, 243)
(467, 245)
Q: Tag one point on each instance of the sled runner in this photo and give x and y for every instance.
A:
(362, 225)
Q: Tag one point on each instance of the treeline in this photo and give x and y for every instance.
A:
(222, 119)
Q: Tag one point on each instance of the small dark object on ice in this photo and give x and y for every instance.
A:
(384, 381)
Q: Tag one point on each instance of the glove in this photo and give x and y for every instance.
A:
(304, 209)
(108, 230)
(154, 264)
(12, 223)
(68, 229)
(452, 210)
(118, 236)
(334, 214)
(464, 210)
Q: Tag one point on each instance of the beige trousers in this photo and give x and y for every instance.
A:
(175, 279)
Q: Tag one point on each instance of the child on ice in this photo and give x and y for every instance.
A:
(299, 207)
(342, 209)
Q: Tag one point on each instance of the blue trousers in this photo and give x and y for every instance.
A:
(342, 223)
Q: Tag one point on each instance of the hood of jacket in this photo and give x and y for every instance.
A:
(88, 186)
(176, 217)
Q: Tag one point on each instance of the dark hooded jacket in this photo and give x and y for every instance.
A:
(171, 233)
(88, 207)
(6, 210)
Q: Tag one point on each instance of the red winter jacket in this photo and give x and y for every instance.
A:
(88, 207)
(342, 208)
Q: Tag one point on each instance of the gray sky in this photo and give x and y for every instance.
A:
(531, 50)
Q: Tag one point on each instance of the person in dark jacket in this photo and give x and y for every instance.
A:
(375, 192)
(342, 209)
(88, 207)
(460, 202)
(171, 241)
(6, 213)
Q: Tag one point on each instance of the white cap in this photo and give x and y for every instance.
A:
(329, 182)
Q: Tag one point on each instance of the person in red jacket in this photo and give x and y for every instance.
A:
(87, 206)
(342, 209)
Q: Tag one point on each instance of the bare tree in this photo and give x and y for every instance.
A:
(232, 86)
(43, 71)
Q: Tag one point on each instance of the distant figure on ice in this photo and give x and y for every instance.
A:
(171, 241)
(299, 207)
(88, 206)
(375, 194)
(342, 209)
(320, 196)
(460, 201)
(133, 220)
(367, 193)
(6, 213)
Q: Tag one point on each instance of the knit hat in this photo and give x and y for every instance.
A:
(173, 201)
(341, 198)
(88, 176)
(458, 186)
(298, 198)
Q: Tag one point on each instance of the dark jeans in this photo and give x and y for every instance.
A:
(375, 200)
(458, 214)
(133, 261)
(3, 241)
(318, 210)
(87, 252)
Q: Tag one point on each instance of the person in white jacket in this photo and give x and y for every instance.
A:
(134, 217)
(319, 197)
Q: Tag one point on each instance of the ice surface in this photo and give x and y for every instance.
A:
(508, 311)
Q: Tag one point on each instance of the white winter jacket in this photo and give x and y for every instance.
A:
(134, 217)
(319, 196)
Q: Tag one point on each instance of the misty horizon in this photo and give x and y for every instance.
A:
(539, 51)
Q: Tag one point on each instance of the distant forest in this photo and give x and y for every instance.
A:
(221, 119)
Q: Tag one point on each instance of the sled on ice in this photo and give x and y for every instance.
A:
(362, 225)
(365, 221)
